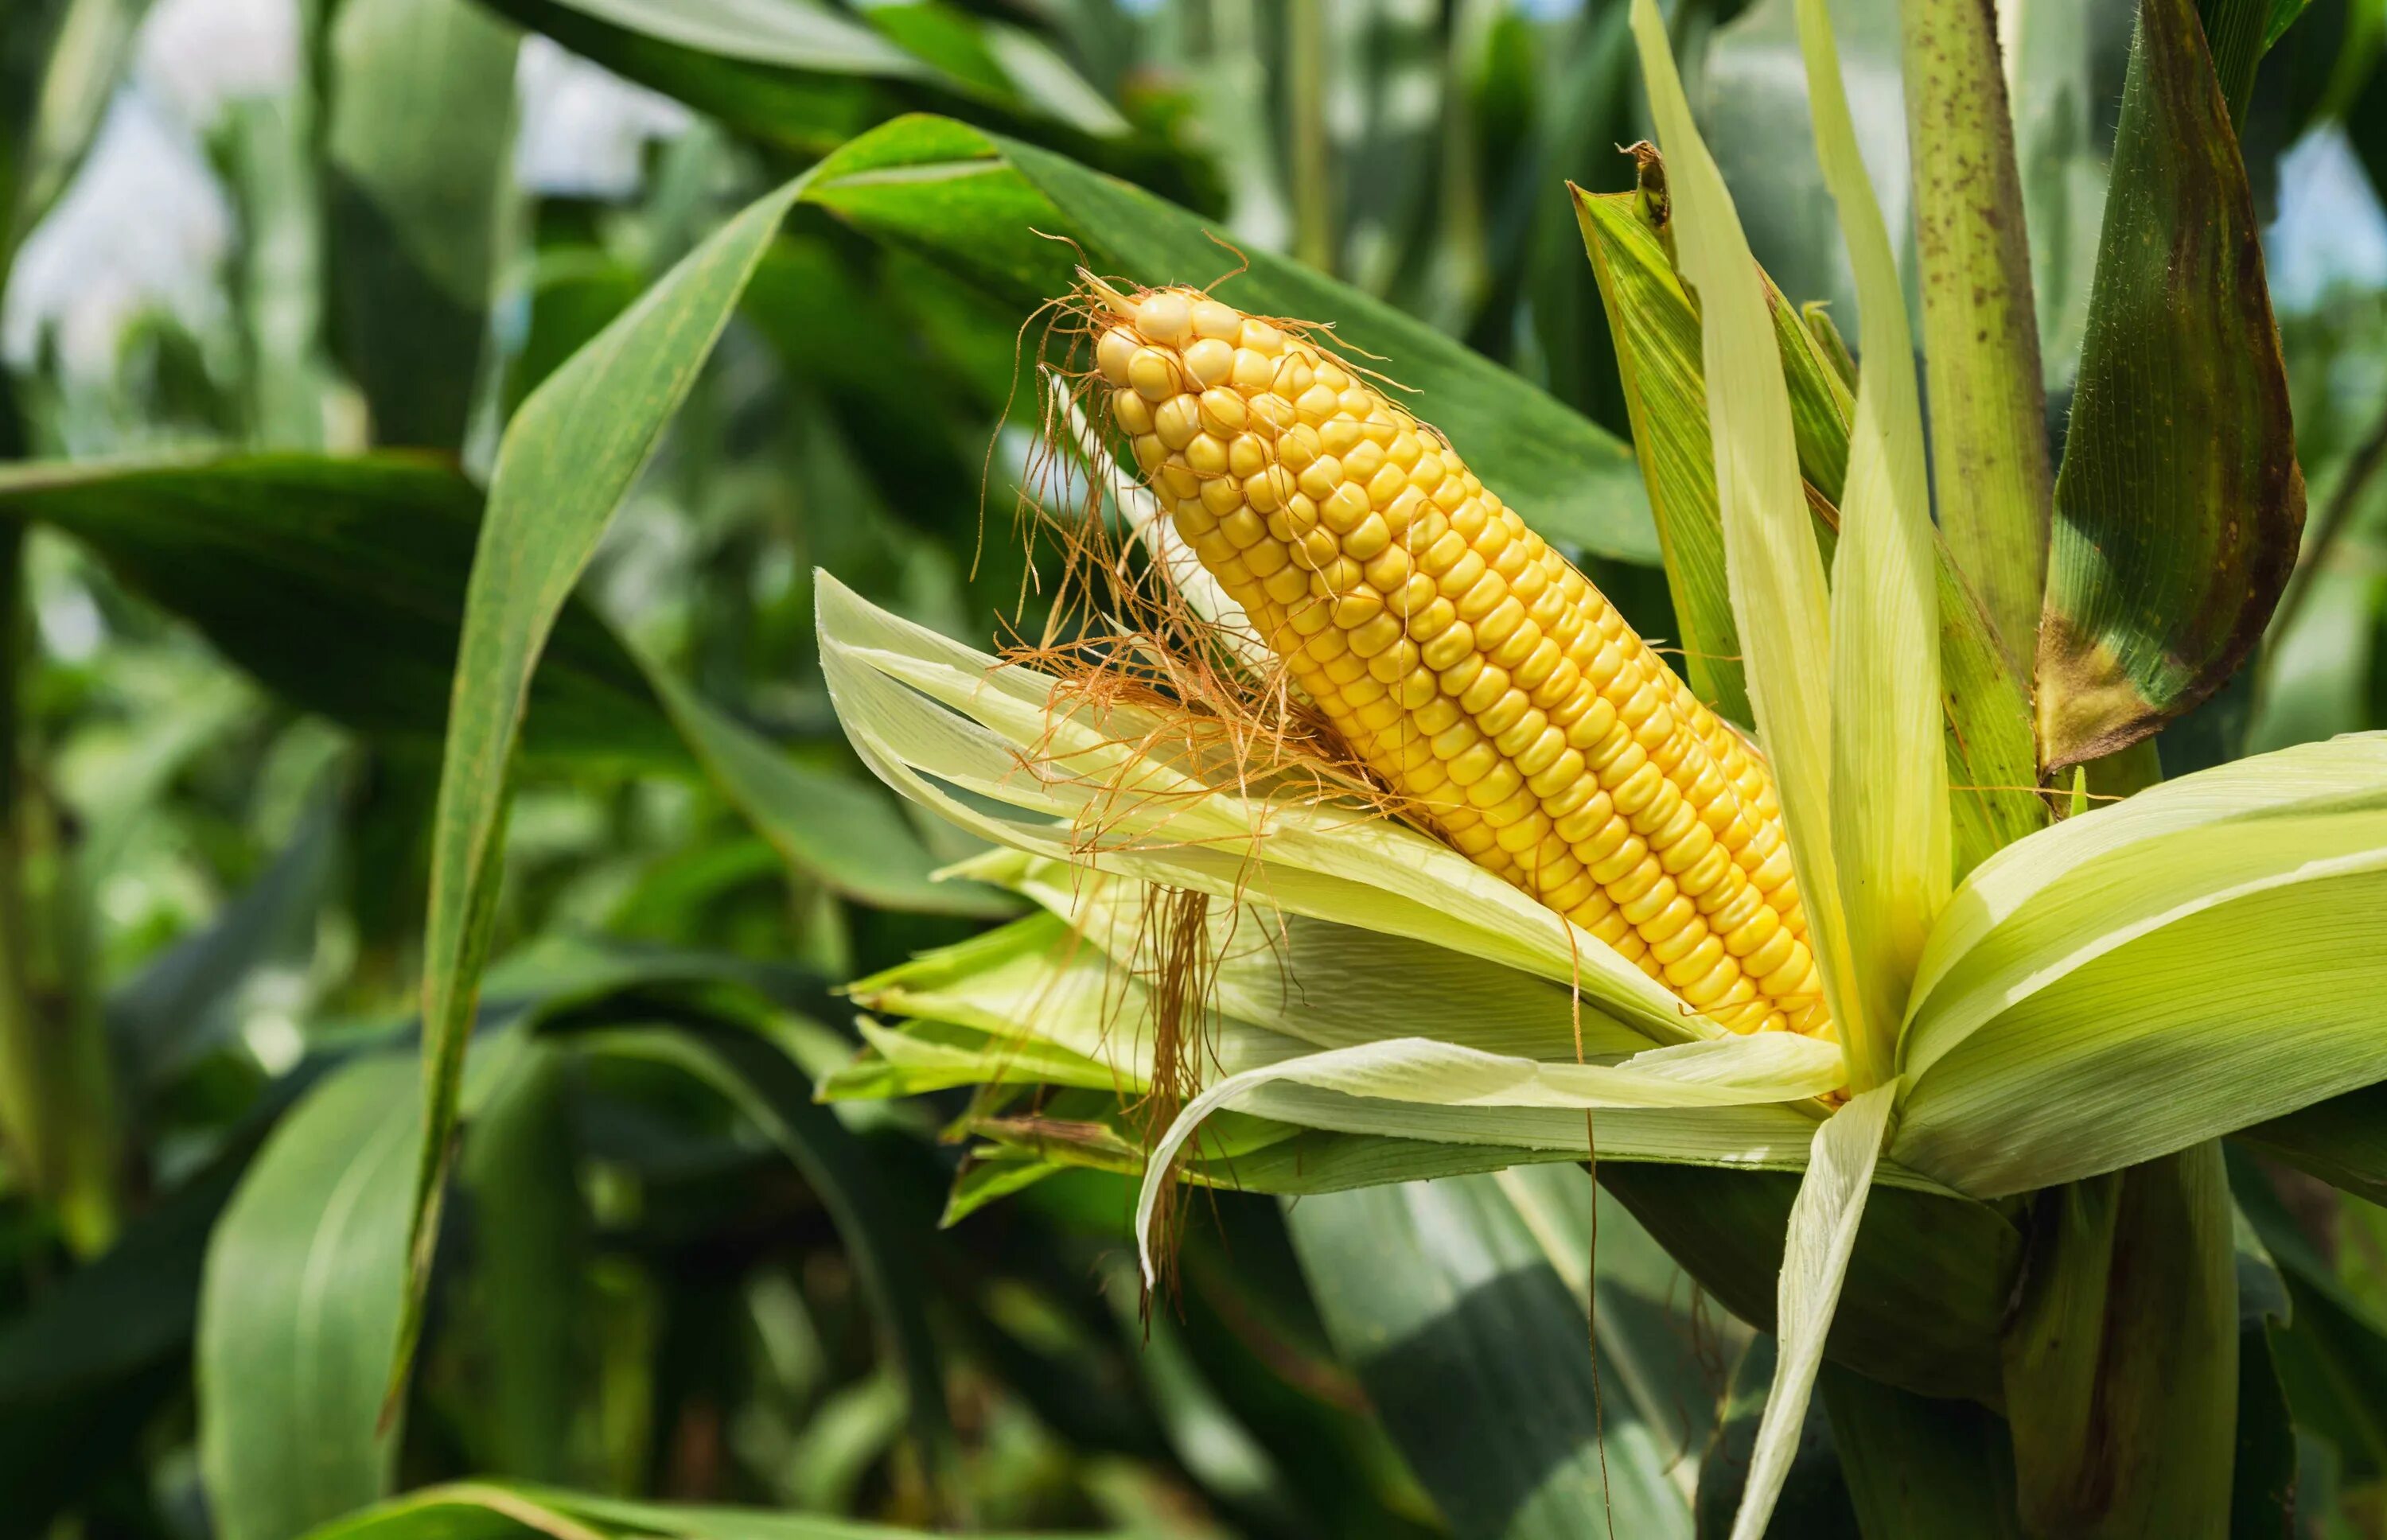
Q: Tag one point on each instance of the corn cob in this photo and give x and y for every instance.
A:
(1488, 684)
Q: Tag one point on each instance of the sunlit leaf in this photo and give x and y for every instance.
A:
(1730, 1071)
(1776, 574)
(2185, 963)
(1889, 810)
(1823, 1233)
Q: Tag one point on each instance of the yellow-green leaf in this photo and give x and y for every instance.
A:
(1889, 807)
(2208, 954)
(1774, 569)
(1823, 1233)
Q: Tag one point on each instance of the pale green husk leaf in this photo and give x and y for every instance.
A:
(1891, 838)
(2209, 954)
(1011, 754)
(1815, 1260)
(1767, 1067)
(1329, 985)
(1772, 566)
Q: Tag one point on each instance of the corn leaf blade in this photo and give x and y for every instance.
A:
(339, 583)
(2122, 1356)
(298, 1311)
(1761, 1068)
(819, 821)
(1928, 1286)
(1461, 1305)
(565, 464)
(2341, 1141)
(1920, 1465)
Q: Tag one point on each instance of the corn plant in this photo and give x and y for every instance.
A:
(1407, 680)
(1455, 746)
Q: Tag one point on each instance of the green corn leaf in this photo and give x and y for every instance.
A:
(1823, 1233)
(1917, 1466)
(2341, 1141)
(820, 821)
(2211, 934)
(1776, 576)
(802, 78)
(339, 584)
(2122, 1359)
(1015, 221)
(1890, 812)
(532, 1249)
(1763, 1068)
(1461, 1305)
(2179, 506)
(300, 1309)
(566, 463)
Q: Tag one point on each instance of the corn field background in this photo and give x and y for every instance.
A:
(279, 275)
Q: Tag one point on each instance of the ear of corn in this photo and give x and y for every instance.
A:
(1472, 668)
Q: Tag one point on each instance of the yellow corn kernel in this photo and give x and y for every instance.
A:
(1485, 680)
